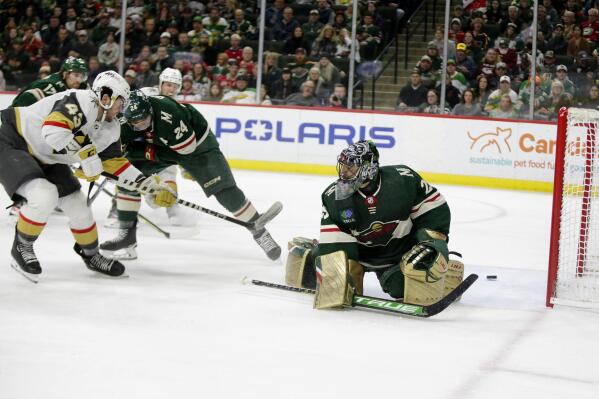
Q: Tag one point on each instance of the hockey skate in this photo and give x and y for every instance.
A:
(101, 264)
(24, 260)
(267, 243)
(112, 221)
(124, 245)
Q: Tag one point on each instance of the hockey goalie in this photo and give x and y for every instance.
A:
(386, 220)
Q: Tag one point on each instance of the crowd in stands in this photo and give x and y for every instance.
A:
(213, 43)
(489, 60)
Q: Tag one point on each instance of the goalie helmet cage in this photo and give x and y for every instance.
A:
(573, 277)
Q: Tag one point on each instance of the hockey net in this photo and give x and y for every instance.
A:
(574, 248)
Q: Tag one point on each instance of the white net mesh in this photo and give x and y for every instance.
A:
(577, 280)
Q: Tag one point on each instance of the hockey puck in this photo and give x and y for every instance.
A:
(491, 277)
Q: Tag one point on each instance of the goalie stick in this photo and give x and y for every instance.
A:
(262, 220)
(386, 305)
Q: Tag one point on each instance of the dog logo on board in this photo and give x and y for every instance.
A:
(492, 141)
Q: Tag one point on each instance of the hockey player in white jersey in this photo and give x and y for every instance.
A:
(169, 84)
(37, 145)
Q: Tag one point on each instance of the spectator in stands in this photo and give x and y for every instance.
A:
(183, 45)
(556, 100)
(569, 22)
(577, 42)
(284, 28)
(29, 18)
(499, 71)
(525, 12)
(235, 51)
(377, 19)
(264, 97)
(215, 94)
(590, 27)
(505, 109)
(31, 43)
(452, 94)
(592, 101)
(472, 47)
(270, 69)
(513, 17)
(240, 93)
(438, 41)
(455, 30)
(165, 41)
(428, 75)
(150, 35)
(205, 49)
(456, 78)
(247, 63)
(326, 43)
(338, 98)
(467, 106)
(300, 66)
(241, 26)
(412, 95)
(482, 91)
(130, 77)
(83, 46)
(344, 46)
(161, 60)
(507, 55)
(544, 26)
(133, 34)
(432, 104)
(325, 14)
(551, 12)
(558, 42)
(480, 38)
(458, 13)
(188, 92)
(201, 78)
(305, 97)
(585, 73)
(487, 64)
(197, 31)
(284, 87)
(464, 62)
(17, 59)
(227, 81)
(136, 9)
(561, 75)
(58, 49)
(329, 73)
(340, 22)
(504, 89)
(145, 76)
(549, 64)
(296, 41)
(540, 97)
(44, 71)
(109, 52)
(215, 24)
(494, 12)
(313, 26)
(100, 32)
(274, 13)
(94, 68)
(510, 34)
(320, 89)
(144, 55)
(369, 37)
(50, 32)
(433, 52)
(221, 66)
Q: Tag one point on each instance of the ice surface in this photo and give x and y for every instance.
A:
(183, 326)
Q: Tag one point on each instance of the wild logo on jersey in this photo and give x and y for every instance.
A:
(377, 234)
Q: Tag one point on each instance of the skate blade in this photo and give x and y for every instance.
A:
(121, 254)
(107, 276)
(269, 215)
(34, 278)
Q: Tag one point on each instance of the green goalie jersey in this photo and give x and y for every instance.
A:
(378, 229)
(39, 89)
(175, 127)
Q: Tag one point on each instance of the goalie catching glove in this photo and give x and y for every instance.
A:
(424, 267)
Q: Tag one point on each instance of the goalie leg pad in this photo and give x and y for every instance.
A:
(333, 288)
(423, 286)
(299, 269)
(454, 276)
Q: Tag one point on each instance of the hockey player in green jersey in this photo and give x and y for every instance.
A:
(160, 132)
(386, 220)
(72, 75)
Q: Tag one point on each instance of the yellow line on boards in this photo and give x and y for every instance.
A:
(438, 178)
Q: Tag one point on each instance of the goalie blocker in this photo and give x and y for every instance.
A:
(425, 273)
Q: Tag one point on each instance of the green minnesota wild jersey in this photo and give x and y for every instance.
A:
(378, 229)
(177, 127)
(39, 89)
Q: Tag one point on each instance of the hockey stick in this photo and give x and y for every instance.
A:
(262, 220)
(143, 218)
(92, 198)
(386, 305)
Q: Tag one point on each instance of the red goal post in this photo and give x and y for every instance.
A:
(573, 277)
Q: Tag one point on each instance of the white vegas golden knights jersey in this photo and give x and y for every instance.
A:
(51, 123)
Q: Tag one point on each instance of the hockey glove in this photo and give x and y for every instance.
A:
(154, 183)
(427, 260)
(91, 164)
(165, 198)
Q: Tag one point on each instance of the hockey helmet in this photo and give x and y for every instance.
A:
(170, 75)
(72, 64)
(357, 165)
(114, 85)
(138, 109)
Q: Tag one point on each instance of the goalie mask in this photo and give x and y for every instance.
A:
(357, 165)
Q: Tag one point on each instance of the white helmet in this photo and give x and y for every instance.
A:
(113, 84)
(170, 75)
